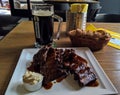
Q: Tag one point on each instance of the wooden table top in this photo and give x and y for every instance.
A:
(22, 36)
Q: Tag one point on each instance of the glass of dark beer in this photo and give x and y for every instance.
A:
(43, 21)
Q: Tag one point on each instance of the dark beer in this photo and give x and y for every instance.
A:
(43, 26)
(43, 20)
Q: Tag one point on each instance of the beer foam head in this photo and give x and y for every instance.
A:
(42, 13)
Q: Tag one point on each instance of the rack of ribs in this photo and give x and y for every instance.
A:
(55, 63)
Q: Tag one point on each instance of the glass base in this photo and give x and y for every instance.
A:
(53, 44)
(37, 45)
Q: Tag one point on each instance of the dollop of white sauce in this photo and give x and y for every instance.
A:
(32, 77)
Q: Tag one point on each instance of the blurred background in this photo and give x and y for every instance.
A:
(13, 12)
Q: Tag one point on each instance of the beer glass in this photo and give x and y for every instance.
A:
(43, 21)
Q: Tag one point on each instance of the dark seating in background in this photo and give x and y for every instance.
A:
(7, 23)
(60, 9)
(93, 10)
(110, 6)
(107, 18)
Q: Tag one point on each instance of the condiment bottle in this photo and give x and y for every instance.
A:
(76, 17)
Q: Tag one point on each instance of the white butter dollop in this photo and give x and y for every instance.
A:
(32, 77)
(32, 81)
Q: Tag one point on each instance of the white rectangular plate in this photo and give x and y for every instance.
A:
(67, 86)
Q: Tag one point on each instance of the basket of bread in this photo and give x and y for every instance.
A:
(95, 40)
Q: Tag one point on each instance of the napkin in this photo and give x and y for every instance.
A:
(114, 41)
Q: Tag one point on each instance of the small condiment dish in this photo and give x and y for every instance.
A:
(32, 86)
